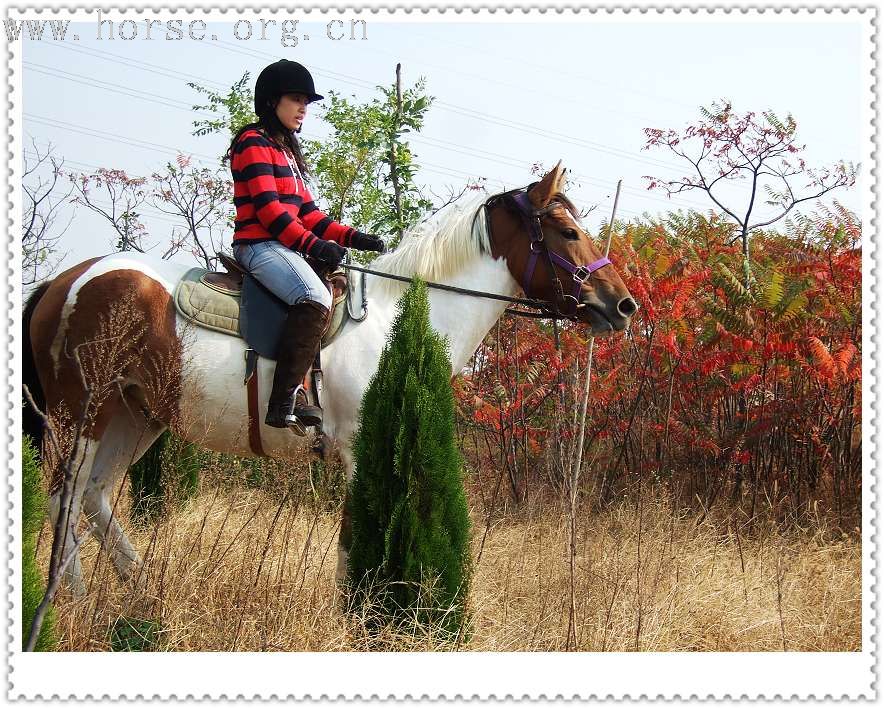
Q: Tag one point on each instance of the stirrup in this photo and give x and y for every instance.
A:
(309, 415)
(277, 418)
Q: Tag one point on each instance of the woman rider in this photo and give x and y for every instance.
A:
(277, 224)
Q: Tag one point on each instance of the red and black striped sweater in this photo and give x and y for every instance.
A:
(273, 203)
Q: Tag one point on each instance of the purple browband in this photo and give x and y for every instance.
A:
(580, 273)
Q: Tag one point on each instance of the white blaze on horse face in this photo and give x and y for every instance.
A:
(166, 275)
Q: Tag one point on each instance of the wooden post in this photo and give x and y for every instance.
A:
(394, 174)
(576, 463)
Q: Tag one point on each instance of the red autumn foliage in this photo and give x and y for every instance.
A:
(724, 393)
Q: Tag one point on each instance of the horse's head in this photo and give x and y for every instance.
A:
(554, 259)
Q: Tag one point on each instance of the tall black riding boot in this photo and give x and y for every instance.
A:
(300, 338)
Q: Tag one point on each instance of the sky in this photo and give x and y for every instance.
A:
(507, 95)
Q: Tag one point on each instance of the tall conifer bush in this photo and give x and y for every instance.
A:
(410, 539)
(33, 509)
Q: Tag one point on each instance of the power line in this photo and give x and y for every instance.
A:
(453, 146)
(443, 170)
(488, 79)
(96, 83)
(471, 113)
(113, 137)
(142, 65)
(510, 59)
(463, 110)
(501, 159)
(79, 78)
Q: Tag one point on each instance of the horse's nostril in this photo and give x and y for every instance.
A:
(627, 307)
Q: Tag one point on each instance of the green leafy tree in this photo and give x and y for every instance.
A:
(234, 108)
(33, 511)
(410, 533)
(347, 165)
(407, 204)
(364, 172)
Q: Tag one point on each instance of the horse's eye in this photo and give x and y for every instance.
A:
(570, 234)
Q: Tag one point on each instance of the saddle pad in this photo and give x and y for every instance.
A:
(206, 305)
(261, 318)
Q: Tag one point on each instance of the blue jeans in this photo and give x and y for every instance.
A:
(283, 272)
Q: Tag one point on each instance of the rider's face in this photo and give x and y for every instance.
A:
(291, 110)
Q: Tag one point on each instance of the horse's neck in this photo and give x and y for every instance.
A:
(463, 319)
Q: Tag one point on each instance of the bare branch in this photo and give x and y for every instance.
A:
(744, 147)
(40, 209)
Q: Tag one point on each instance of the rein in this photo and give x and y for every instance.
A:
(540, 305)
(531, 219)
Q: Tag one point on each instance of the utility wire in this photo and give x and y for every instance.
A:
(131, 93)
(182, 105)
(141, 65)
(113, 137)
(464, 110)
(510, 59)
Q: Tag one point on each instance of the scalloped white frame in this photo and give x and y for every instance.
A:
(306, 676)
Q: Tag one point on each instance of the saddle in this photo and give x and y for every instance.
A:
(235, 303)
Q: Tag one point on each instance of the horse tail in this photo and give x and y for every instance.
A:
(32, 424)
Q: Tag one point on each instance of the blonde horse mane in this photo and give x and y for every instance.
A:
(438, 247)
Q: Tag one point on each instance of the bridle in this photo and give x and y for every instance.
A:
(580, 273)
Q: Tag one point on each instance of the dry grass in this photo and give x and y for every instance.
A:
(237, 570)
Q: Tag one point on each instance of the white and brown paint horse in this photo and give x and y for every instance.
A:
(168, 373)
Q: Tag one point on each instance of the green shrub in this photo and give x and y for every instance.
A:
(168, 459)
(410, 537)
(33, 511)
(135, 634)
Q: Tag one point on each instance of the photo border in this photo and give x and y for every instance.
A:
(480, 675)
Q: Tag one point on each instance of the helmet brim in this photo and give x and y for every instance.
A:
(312, 96)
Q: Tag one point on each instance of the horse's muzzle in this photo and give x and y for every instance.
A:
(606, 320)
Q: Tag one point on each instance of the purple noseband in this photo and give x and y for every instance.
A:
(580, 273)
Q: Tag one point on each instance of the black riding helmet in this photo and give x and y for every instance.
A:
(282, 77)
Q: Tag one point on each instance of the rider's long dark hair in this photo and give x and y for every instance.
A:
(270, 125)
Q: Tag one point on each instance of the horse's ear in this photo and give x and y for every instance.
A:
(551, 184)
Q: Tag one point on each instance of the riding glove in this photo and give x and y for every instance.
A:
(328, 252)
(368, 242)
